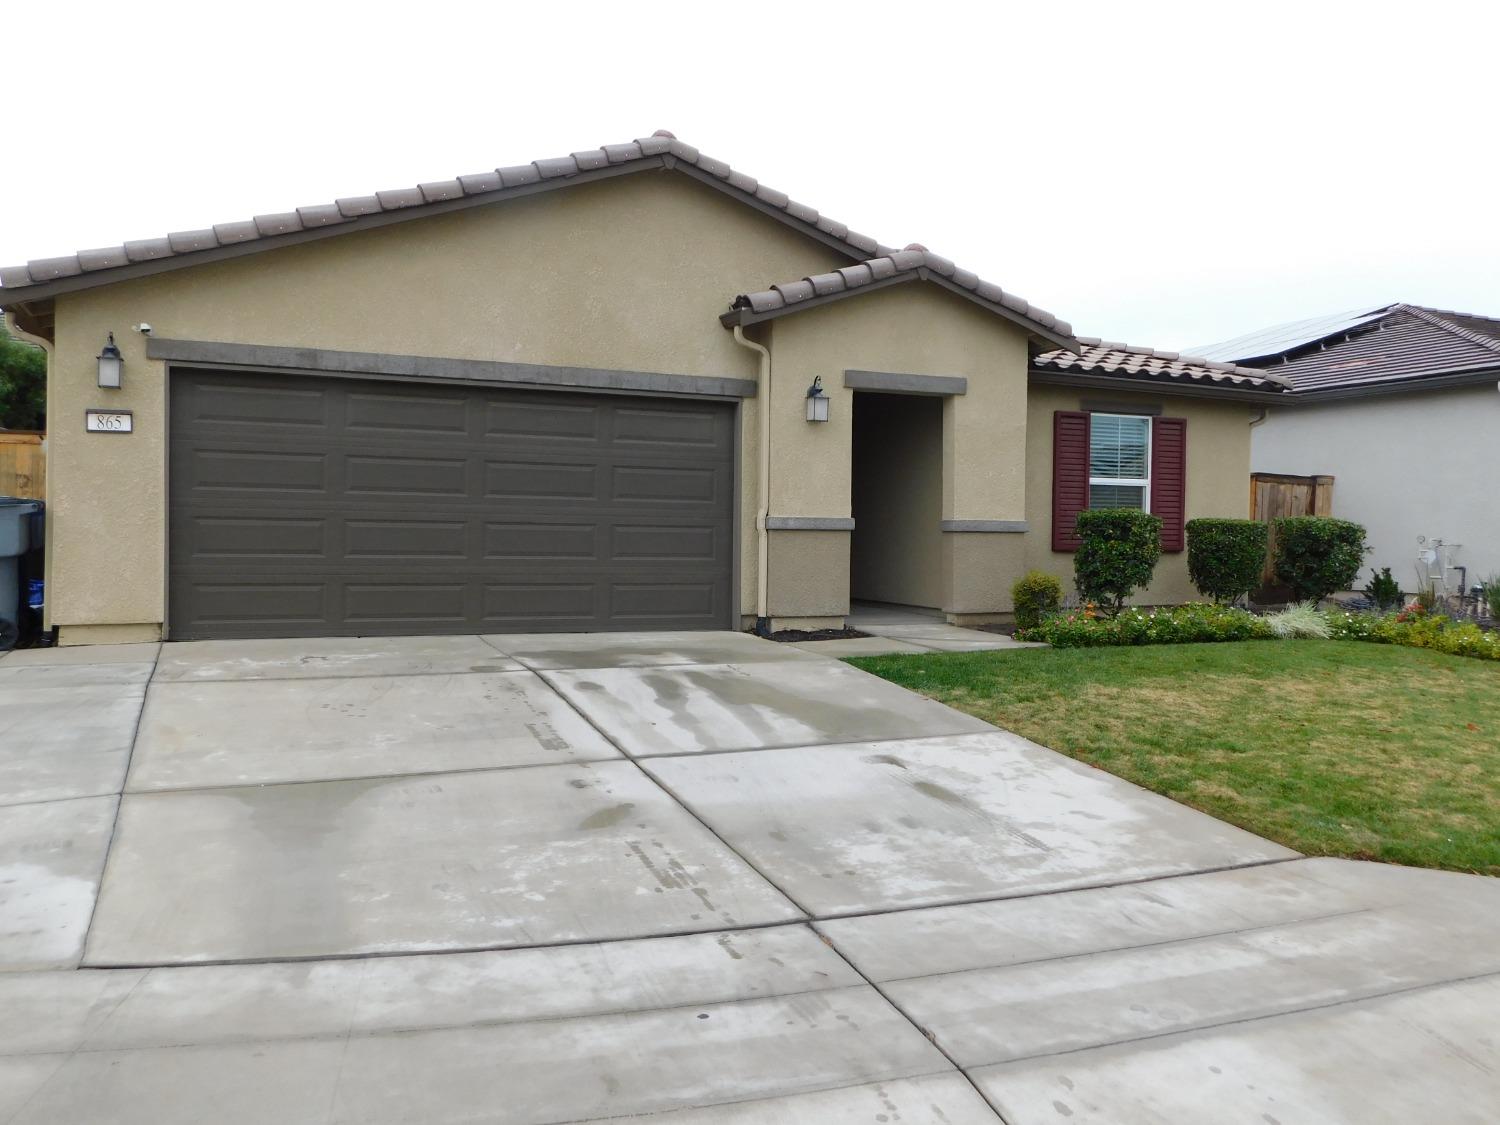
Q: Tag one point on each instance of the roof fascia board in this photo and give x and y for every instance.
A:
(95, 278)
(1413, 385)
(1157, 386)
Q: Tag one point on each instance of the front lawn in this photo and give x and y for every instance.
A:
(1330, 747)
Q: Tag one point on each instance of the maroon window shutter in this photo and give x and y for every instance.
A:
(1070, 476)
(1169, 479)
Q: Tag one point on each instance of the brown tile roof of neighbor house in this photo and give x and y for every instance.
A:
(45, 276)
(1100, 357)
(1377, 349)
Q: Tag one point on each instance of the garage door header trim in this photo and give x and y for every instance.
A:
(321, 361)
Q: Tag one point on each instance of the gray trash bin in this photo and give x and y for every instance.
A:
(15, 541)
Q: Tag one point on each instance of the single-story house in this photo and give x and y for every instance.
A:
(576, 395)
(1398, 404)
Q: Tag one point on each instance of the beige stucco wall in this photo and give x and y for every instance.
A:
(626, 274)
(1218, 476)
(919, 329)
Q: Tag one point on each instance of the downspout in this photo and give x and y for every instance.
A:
(763, 486)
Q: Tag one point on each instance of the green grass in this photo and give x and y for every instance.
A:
(1330, 747)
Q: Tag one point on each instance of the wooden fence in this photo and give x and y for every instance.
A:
(23, 464)
(1273, 495)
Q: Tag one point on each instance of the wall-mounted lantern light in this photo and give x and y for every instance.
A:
(817, 401)
(111, 365)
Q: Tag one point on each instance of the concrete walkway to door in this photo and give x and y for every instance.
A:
(696, 877)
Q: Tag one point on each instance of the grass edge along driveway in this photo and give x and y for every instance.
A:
(1329, 747)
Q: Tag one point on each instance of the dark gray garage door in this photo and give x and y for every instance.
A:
(303, 506)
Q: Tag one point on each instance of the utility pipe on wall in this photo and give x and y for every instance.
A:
(763, 486)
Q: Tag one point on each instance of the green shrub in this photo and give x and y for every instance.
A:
(1317, 556)
(1035, 594)
(1226, 557)
(1171, 625)
(1301, 619)
(1117, 554)
(1420, 630)
(1489, 592)
(1383, 590)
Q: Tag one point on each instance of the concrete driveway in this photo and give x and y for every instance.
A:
(698, 877)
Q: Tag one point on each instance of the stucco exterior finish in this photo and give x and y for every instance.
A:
(625, 274)
(920, 330)
(1403, 466)
(1218, 452)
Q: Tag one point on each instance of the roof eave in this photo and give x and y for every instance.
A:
(1414, 384)
(1160, 385)
(747, 316)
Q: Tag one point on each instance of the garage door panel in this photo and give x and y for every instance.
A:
(434, 509)
(393, 415)
(540, 422)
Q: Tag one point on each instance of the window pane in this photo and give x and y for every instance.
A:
(1117, 496)
(1117, 446)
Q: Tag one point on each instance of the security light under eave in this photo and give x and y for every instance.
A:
(111, 365)
(817, 401)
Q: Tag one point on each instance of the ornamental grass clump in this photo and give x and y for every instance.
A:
(1116, 555)
(1299, 620)
(1317, 556)
(1226, 557)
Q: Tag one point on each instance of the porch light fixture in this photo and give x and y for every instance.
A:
(111, 365)
(817, 401)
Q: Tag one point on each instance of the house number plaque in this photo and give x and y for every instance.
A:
(108, 421)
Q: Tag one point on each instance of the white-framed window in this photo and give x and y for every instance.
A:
(1120, 461)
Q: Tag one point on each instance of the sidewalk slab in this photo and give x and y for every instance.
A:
(240, 732)
(490, 859)
(328, 656)
(733, 1027)
(885, 825)
(557, 651)
(1320, 932)
(651, 711)
(1430, 1055)
(50, 858)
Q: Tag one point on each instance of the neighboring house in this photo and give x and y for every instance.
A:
(573, 395)
(1399, 405)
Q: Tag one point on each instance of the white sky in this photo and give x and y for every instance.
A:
(1163, 174)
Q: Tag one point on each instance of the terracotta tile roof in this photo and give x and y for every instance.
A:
(1390, 344)
(1102, 357)
(914, 262)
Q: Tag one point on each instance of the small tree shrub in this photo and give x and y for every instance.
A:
(1383, 590)
(1226, 557)
(1489, 593)
(1035, 594)
(1317, 556)
(1117, 555)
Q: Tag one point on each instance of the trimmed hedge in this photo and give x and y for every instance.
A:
(1317, 556)
(1117, 554)
(1035, 595)
(1196, 623)
(1226, 557)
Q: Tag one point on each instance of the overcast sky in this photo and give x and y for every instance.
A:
(1163, 174)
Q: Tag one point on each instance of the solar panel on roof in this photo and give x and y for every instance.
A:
(1279, 338)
